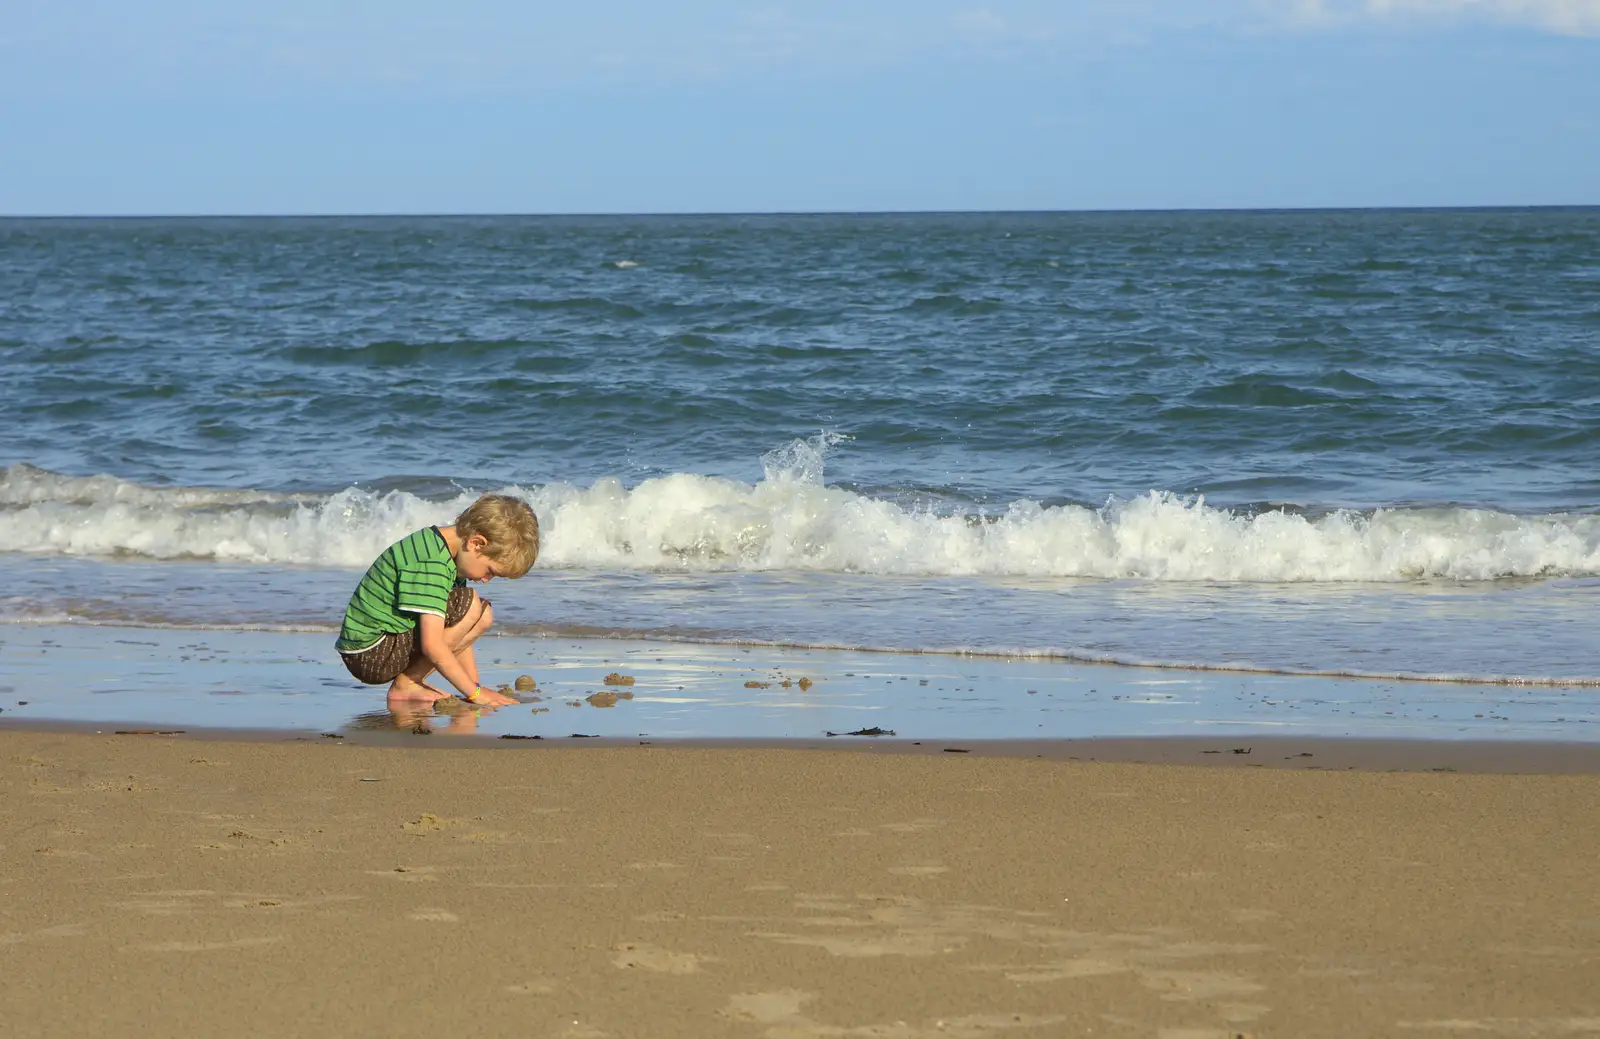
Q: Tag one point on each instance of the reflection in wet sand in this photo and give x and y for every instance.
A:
(450, 717)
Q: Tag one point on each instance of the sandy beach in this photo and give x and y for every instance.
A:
(161, 885)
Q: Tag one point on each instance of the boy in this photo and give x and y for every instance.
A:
(413, 614)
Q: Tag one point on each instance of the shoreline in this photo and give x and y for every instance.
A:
(1299, 753)
(587, 633)
(240, 681)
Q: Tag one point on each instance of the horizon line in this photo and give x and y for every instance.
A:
(794, 212)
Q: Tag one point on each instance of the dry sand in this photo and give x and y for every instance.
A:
(161, 886)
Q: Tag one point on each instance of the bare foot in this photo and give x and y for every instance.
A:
(486, 697)
(408, 689)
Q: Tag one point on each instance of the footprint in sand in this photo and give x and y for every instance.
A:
(58, 931)
(428, 823)
(155, 907)
(918, 871)
(824, 904)
(768, 1008)
(1242, 1013)
(781, 1011)
(1510, 1026)
(486, 836)
(408, 874)
(647, 957)
(1253, 916)
(431, 915)
(1197, 985)
(869, 946)
(237, 943)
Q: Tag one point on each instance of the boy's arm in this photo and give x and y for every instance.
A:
(434, 645)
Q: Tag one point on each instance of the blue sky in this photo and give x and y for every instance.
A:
(492, 106)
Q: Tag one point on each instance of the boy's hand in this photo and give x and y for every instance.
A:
(483, 696)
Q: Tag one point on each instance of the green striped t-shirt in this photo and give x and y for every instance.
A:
(414, 575)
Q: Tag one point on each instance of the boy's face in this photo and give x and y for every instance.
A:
(472, 564)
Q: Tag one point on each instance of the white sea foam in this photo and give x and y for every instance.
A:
(23, 485)
(791, 520)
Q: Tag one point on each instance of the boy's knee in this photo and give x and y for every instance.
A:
(461, 607)
(486, 619)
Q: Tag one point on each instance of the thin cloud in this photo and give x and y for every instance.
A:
(256, 47)
(981, 21)
(1565, 17)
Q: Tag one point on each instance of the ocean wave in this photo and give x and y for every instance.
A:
(792, 520)
(23, 486)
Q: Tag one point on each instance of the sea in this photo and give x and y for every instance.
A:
(1341, 443)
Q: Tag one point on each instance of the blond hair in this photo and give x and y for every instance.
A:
(510, 528)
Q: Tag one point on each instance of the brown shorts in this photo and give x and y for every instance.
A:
(393, 653)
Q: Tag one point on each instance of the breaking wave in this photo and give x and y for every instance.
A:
(792, 520)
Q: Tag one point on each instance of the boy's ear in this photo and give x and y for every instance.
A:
(477, 543)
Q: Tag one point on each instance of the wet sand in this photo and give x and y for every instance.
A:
(180, 678)
(162, 885)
